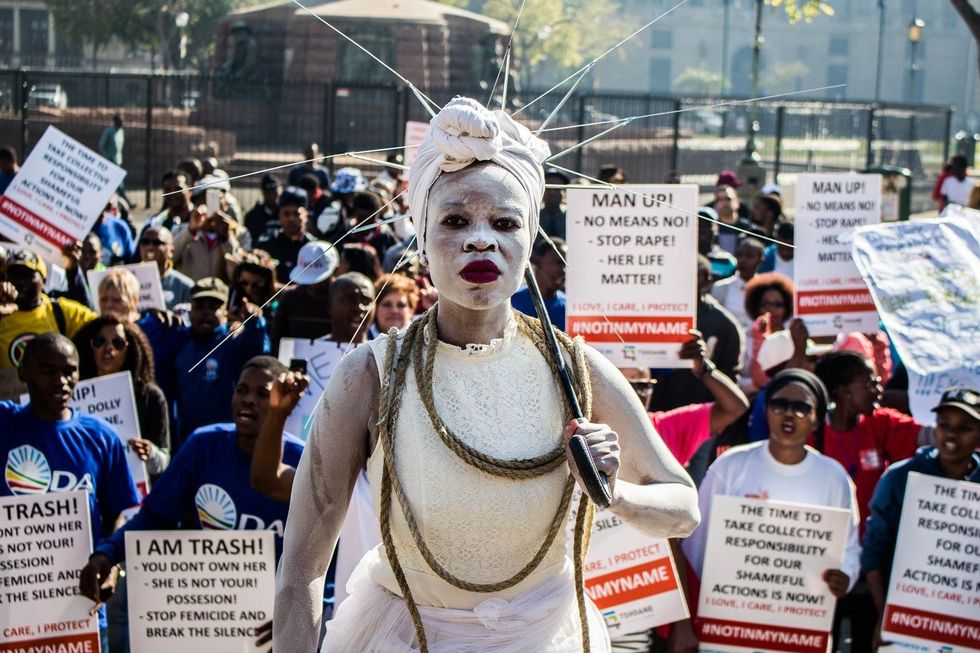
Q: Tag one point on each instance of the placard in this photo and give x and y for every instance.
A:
(111, 398)
(631, 578)
(199, 591)
(45, 540)
(148, 274)
(57, 195)
(933, 599)
(831, 296)
(762, 585)
(632, 281)
(924, 277)
(415, 133)
(321, 358)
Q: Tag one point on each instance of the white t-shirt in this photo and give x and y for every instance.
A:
(956, 191)
(730, 293)
(752, 471)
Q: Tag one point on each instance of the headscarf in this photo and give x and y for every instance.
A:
(465, 132)
(813, 385)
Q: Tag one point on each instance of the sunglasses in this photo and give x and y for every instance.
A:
(98, 342)
(780, 406)
(152, 243)
(642, 387)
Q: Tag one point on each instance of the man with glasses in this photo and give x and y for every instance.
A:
(156, 244)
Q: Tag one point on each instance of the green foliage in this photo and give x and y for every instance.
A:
(783, 75)
(698, 81)
(805, 10)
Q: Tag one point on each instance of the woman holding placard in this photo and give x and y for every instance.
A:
(782, 468)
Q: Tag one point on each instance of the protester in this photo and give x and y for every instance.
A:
(767, 212)
(783, 468)
(177, 205)
(361, 258)
(304, 308)
(119, 295)
(26, 312)
(112, 142)
(254, 275)
(611, 173)
(80, 257)
(396, 299)
(71, 444)
(156, 244)
(548, 263)
(553, 203)
(8, 167)
(768, 307)
(957, 186)
(200, 247)
(316, 167)
(317, 200)
(955, 456)
(116, 238)
(723, 264)
(351, 308)
(192, 168)
(366, 209)
(735, 223)
(684, 429)
(108, 345)
(285, 242)
(730, 292)
(779, 255)
(262, 217)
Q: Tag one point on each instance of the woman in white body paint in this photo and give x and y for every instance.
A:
(474, 190)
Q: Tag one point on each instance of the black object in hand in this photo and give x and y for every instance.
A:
(297, 365)
(595, 482)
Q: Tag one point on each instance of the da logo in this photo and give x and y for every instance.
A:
(27, 471)
(629, 352)
(16, 351)
(215, 509)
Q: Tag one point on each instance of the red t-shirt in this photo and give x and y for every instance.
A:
(876, 441)
(684, 429)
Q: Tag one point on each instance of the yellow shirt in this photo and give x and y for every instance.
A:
(17, 329)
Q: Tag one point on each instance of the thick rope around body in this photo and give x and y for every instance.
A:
(390, 400)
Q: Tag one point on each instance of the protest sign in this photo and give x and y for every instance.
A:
(924, 277)
(632, 283)
(321, 358)
(762, 586)
(57, 194)
(148, 274)
(45, 540)
(631, 578)
(415, 133)
(199, 591)
(111, 398)
(831, 296)
(934, 591)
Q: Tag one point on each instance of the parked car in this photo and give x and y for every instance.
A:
(47, 95)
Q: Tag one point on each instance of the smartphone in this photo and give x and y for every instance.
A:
(213, 198)
(297, 365)
(236, 296)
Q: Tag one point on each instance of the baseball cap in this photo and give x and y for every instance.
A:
(728, 178)
(210, 287)
(965, 399)
(348, 180)
(293, 196)
(771, 189)
(778, 348)
(315, 262)
(268, 183)
(30, 260)
(215, 181)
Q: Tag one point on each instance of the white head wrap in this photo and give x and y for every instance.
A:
(465, 132)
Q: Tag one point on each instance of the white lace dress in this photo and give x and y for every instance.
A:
(502, 400)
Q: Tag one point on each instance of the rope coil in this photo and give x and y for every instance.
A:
(395, 371)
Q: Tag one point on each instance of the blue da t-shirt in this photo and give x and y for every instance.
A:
(210, 478)
(79, 453)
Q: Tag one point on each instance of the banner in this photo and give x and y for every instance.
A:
(45, 540)
(415, 133)
(631, 578)
(148, 274)
(924, 277)
(57, 195)
(321, 358)
(831, 296)
(933, 599)
(762, 585)
(111, 398)
(199, 591)
(632, 283)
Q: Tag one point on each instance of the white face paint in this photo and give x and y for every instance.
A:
(476, 223)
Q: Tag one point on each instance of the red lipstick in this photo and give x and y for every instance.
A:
(480, 272)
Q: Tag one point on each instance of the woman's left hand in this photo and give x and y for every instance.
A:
(142, 448)
(837, 581)
(603, 444)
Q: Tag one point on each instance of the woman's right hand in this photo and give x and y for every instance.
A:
(682, 638)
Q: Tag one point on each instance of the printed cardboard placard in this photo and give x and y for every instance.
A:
(762, 585)
(933, 599)
(199, 591)
(45, 540)
(57, 195)
(831, 296)
(632, 278)
(321, 358)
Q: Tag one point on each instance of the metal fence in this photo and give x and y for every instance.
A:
(262, 124)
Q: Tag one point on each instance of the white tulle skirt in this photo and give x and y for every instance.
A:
(544, 619)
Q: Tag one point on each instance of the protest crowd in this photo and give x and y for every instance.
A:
(225, 320)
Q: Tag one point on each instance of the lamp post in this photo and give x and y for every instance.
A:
(751, 156)
(181, 21)
(915, 35)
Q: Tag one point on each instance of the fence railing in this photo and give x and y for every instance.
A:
(259, 124)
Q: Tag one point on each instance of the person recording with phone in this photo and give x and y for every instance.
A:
(200, 246)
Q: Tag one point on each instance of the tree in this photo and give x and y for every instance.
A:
(971, 17)
(805, 10)
(93, 22)
(698, 81)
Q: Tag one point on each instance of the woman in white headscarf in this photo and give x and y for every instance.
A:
(461, 427)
